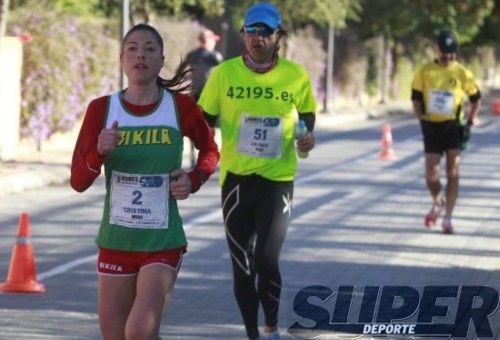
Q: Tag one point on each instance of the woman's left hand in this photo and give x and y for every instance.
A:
(180, 185)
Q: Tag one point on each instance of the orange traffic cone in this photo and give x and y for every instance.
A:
(495, 107)
(22, 272)
(387, 152)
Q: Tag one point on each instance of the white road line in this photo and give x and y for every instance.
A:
(67, 266)
(93, 258)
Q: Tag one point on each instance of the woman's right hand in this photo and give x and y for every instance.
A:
(180, 186)
(108, 139)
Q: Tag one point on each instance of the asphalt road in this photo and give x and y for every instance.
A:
(358, 222)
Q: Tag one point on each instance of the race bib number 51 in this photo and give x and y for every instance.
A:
(261, 136)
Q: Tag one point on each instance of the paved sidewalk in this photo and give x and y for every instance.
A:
(33, 169)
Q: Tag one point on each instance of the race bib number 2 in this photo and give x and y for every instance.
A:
(139, 201)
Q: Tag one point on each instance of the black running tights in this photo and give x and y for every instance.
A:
(256, 212)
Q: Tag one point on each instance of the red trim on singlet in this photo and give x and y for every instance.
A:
(86, 163)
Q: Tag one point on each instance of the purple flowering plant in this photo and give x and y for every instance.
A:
(70, 61)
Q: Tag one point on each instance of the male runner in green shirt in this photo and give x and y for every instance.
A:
(259, 98)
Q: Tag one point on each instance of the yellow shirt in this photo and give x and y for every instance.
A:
(258, 113)
(443, 89)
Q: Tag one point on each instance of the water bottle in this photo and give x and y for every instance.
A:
(301, 131)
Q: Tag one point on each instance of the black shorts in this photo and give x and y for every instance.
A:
(440, 136)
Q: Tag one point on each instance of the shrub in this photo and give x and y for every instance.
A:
(69, 61)
(306, 49)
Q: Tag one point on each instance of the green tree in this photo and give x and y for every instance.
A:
(413, 19)
(87, 8)
(146, 10)
(387, 21)
(489, 34)
(463, 16)
(404, 24)
(299, 13)
(334, 12)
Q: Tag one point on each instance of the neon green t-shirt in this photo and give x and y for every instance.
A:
(443, 90)
(258, 113)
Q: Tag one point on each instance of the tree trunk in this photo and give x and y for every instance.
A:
(385, 69)
(124, 27)
(327, 105)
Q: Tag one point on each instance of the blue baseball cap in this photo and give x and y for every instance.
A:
(264, 13)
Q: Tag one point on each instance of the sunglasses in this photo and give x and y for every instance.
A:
(263, 31)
